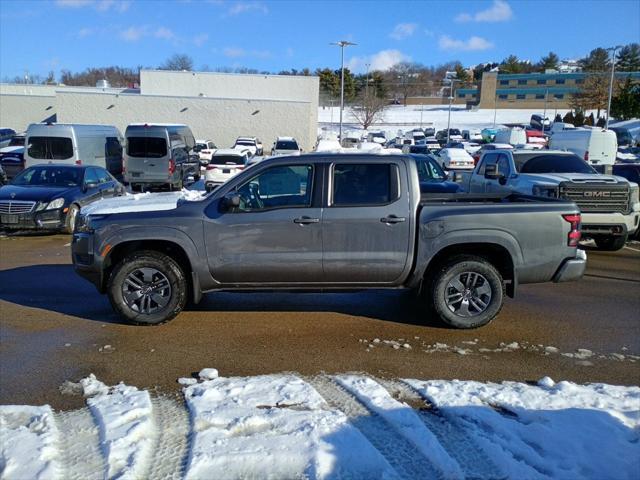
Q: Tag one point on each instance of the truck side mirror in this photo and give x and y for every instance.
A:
(230, 201)
(491, 172)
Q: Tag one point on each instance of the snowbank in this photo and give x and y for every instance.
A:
(142, 202)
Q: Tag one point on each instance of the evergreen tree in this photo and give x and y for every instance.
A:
(590, 120)
(597, 61)
(461, 74)
(626, 103)
(511, 64)
(628, 59)
(578, 119)
(568, 118)
(549, 62)
(601, 122)
(329, 83)
(558, 118)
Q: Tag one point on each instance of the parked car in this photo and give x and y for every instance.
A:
(559, 127)
(593, 145)
(488, 147)
(609, 205)
(423, 149)
(158, 156)
(252, 143)
(488, 134)
(429, 131)
(416, 136)
(454, 134)
(455, 159)
(328, 145)
(376, 137)
(317, 222)
(540, 122)
(50, 196)
(627, 132)
(469, 147)
(472, 135)
(6, 134)
(74, 144)
(630, 171)
(512, 136)
(350, 142)
(204, 149)
(431, 176)
(285, 146)
(12, 156)
(225, 164)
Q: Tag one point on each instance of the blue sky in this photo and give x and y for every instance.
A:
(43, 35)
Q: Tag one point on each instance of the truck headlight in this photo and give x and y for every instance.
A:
(634, 198)
(83, 224)
(57, 203)
(542, 191)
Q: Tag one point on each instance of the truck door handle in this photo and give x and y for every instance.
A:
(392, 219)
(306, 220)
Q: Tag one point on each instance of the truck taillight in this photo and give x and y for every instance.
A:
(586, 156)
(172, 166)
(574, 234)
(211, 167)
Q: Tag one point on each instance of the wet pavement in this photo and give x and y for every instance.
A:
(54, 326)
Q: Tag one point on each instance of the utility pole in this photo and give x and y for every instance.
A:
(366, 87)
(342, 44)
(613, 68)
(451, 82)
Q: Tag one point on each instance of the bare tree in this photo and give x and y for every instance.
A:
(179, 61)
(368, 110)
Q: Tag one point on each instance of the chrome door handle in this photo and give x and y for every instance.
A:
(306, 220)
(392, 219)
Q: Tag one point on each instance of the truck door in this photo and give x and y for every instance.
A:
(274, 235)
(367, 223)
(478, 184)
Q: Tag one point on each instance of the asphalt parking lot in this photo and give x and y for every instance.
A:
(55, 327)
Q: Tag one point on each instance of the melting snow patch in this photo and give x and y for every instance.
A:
(142, 202)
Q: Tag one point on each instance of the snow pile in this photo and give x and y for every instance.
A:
(124, 415)
(274, 426)
(28, 438)
(557, 430)
(142, 202)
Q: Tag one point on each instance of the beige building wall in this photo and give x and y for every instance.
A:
(18, 111)
(219, 119)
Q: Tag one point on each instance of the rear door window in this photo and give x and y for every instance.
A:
(149, 147)
(113, 147)
(358, 184)
(227, 160)
(50, 148)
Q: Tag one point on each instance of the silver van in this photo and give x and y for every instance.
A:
(158, 155)
(70, 143)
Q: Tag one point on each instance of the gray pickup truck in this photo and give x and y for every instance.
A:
(331, 222)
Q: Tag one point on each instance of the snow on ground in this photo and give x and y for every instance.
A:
(28, 442)
(280, 426)
(142, 202)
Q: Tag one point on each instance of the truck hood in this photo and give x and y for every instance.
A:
(142, 202)
(585, 178)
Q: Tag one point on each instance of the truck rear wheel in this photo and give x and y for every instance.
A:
(147, 288)
(610, 244)
(467, 292)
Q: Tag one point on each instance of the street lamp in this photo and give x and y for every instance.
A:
(342, 44)
(613, 68)
(451, 82)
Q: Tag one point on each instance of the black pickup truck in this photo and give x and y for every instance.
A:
(330, 222)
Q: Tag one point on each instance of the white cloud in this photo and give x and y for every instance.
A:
(233, 52)
(85, 32)
(200, 40)
(164, 33)
(100, 5)
(246, 7)
(499, 11)
(133, 34)
(403, 30)
(381, 61)
(73, 3)
(445, 42)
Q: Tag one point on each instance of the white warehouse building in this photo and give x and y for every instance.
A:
(217, 106)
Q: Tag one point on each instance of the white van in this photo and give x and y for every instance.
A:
(512, 136)
(594, 145)
(159, 155)
(69, 143)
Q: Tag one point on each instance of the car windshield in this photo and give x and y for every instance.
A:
(555, 164)
(454, 131)
(16, 142)
(147, 147)
(246, 142)
(429, 171)
(227, 160)
(286, 145)
(50, 148)
(48, 175)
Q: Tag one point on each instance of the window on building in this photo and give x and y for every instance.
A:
(462, 95)
(559, 81)
(502, 97)
(542, 81)
(558, 96)
(521, 96)
(579, 81)
(504, 82)
(522, 82)
(539, 96)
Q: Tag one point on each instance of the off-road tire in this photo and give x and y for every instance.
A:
(610, 244)
(160, 262)
(437, 288)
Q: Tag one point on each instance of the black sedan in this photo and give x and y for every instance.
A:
(49, 197)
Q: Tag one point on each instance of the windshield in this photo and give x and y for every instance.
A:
(429, 171)
(286, 145)
(246, 142)
(149, 147)
(47, 175)
(454, 131)
(50, 148)
(16, 142)
(227, 160)
(556, 164)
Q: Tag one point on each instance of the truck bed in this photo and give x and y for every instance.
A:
(483, 198)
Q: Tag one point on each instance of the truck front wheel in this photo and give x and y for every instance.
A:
(610, 244)
(147, 288)
(467, 292)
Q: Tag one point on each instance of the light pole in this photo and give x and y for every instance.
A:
(613, 68)
(544, 115)
(366, 87)
(342, 44)
(495, 108)
(451, 82)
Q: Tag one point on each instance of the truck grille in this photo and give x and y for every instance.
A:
(597, 198)
(16, 206)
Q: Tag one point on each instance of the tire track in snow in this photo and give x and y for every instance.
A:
(397, 450)
(451, 435)
(171, 446)
(81, 454)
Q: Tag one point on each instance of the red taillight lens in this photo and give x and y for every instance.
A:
(78, 162)
(211, 167)
(172, 166)
(586, 156)
(574, 234)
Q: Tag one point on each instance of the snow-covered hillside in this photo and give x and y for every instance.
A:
(344, 426)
